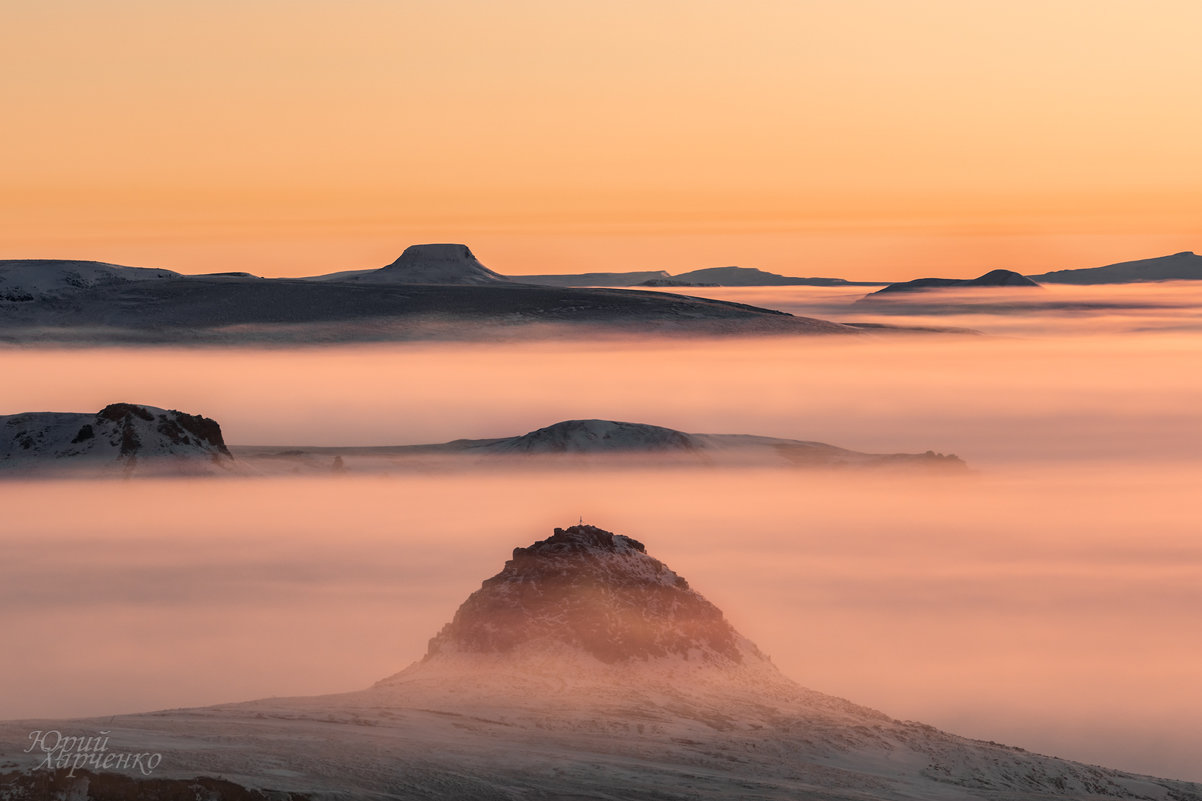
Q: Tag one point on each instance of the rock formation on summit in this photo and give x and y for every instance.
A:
(589, 589)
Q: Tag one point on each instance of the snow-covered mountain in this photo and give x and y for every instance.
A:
(120, 439)
(584, 669)
(1184, 266)
(24, 280)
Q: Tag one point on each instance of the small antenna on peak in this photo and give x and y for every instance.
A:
(581, 520)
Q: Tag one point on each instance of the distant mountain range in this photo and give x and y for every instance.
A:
(585, 668)
(430, 292)
(710, 276)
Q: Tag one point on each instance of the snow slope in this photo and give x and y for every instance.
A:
(24, 280)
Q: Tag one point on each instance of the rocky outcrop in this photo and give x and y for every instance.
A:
(596, 592)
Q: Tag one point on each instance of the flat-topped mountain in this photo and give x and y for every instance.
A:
(441, 264)
(584, 669)
(993, 278)
(1184, 266)
(120, 439)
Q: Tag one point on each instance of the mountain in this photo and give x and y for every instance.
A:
(425, 264)
(1185, 266)
(588, 592)
(25, 280)
(594, 436)
(430, 292)
(580, 443)
(993, 278)
(710, 276)
(634, 278)
(750, 276)
(121, 439)
(584, 669)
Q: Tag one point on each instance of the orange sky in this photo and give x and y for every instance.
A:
(858, 138)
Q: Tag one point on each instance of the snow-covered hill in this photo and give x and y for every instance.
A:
(585, 669)
(120, 439)
(24, 280)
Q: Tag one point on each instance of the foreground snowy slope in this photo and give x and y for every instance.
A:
(585, 669)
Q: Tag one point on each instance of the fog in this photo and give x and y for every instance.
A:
(1048, 600)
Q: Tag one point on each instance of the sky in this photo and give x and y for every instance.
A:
(863, 139)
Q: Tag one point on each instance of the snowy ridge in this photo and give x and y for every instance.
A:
(120, 439)
(24, 280)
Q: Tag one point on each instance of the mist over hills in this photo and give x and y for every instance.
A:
(581, 443)
(585, 668)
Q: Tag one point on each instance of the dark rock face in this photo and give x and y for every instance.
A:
(176, 426)
(592, 590)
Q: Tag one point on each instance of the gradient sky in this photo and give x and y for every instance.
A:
(859, 138)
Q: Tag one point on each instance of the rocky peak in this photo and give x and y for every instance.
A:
(597, 593)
